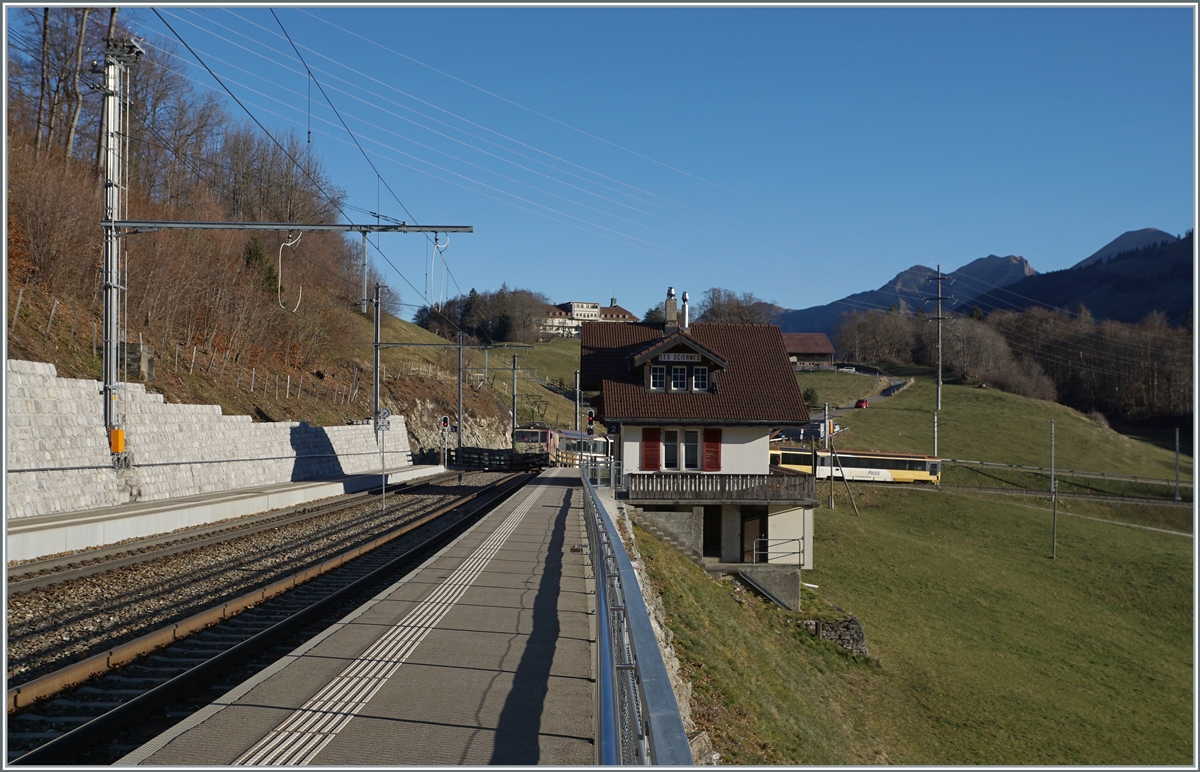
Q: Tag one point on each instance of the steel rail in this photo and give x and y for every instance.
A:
(143, 550)
(71, 675)
(61, 747)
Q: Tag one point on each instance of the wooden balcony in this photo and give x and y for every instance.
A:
(722, 489)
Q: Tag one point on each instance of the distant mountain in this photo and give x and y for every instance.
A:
(1127, 241)
(910, 290)
(1124, 286)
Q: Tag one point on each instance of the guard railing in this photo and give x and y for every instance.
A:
(637, 717)
(776, 550)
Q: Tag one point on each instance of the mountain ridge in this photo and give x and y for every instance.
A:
(1131, 276)
(911, 289)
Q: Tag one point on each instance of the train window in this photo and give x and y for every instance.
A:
(670, 449)
(527, 436)
(658, 377)
(796, 459)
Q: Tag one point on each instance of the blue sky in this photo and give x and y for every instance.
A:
(798, 153)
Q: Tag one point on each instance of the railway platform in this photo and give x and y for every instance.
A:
(29, 538)
(483, 655)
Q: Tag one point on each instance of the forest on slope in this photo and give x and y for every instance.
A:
(216, 310)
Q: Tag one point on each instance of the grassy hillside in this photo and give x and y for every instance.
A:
(984, 651)
(414, 375)
(991, 425)
(838, 389)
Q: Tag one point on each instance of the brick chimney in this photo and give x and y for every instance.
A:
(672, 316)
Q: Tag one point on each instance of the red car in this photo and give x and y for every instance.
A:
(861, 403)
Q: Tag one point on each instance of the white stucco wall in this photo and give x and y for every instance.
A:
(785, 524)
(744, 450)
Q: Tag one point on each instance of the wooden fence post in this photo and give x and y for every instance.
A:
(53, 308)
(21, 294)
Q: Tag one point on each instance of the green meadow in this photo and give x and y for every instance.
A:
(983, 648)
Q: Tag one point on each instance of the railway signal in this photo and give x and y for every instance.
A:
(591, 426)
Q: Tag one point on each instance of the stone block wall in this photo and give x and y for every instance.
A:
(176, 450)
(55, 422)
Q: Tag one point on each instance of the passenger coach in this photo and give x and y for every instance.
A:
(864, 465)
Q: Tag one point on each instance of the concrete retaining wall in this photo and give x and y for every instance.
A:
(176, 450)
(685, 528)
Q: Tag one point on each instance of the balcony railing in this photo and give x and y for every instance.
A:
(722, 488)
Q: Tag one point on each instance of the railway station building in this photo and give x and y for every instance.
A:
(694, 407)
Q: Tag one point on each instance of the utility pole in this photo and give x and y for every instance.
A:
(1177, 463)
(364, 273)
(1054, 499)
(375, 376)
(935, 435)
(576, 400)
(1051, 456)
(116, 58)
(939, 319)
(829, 458)
(513, 433)
(460, 373)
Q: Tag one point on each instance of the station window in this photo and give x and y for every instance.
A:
(671, 449)
(700, 378)
(678, 378)
(658, 377)
(691, 450)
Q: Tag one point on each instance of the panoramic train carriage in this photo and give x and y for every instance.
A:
(578, 448)
(865, 465)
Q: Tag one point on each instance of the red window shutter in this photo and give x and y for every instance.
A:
(650, 449)
(712, 450)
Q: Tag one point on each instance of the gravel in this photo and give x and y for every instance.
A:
(51, 627)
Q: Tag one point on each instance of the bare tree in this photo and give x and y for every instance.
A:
(722, 306)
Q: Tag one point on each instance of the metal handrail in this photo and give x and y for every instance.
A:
(769, 553)
(637, 717)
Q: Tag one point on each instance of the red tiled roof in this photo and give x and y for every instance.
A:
(807, 343)
(758, 387)
(616, 314)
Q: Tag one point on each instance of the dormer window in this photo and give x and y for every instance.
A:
(700, 379)
(678, 378)
(658, 377)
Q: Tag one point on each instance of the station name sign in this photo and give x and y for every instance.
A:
(679, 358)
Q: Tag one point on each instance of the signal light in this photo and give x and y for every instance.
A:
(591, 424)
(445, 422)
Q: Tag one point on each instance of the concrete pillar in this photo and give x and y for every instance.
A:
(731, 533)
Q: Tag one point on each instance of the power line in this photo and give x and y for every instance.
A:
(469, 163)
(542, 115)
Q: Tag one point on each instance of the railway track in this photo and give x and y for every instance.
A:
(44, 573)
(96, 710)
